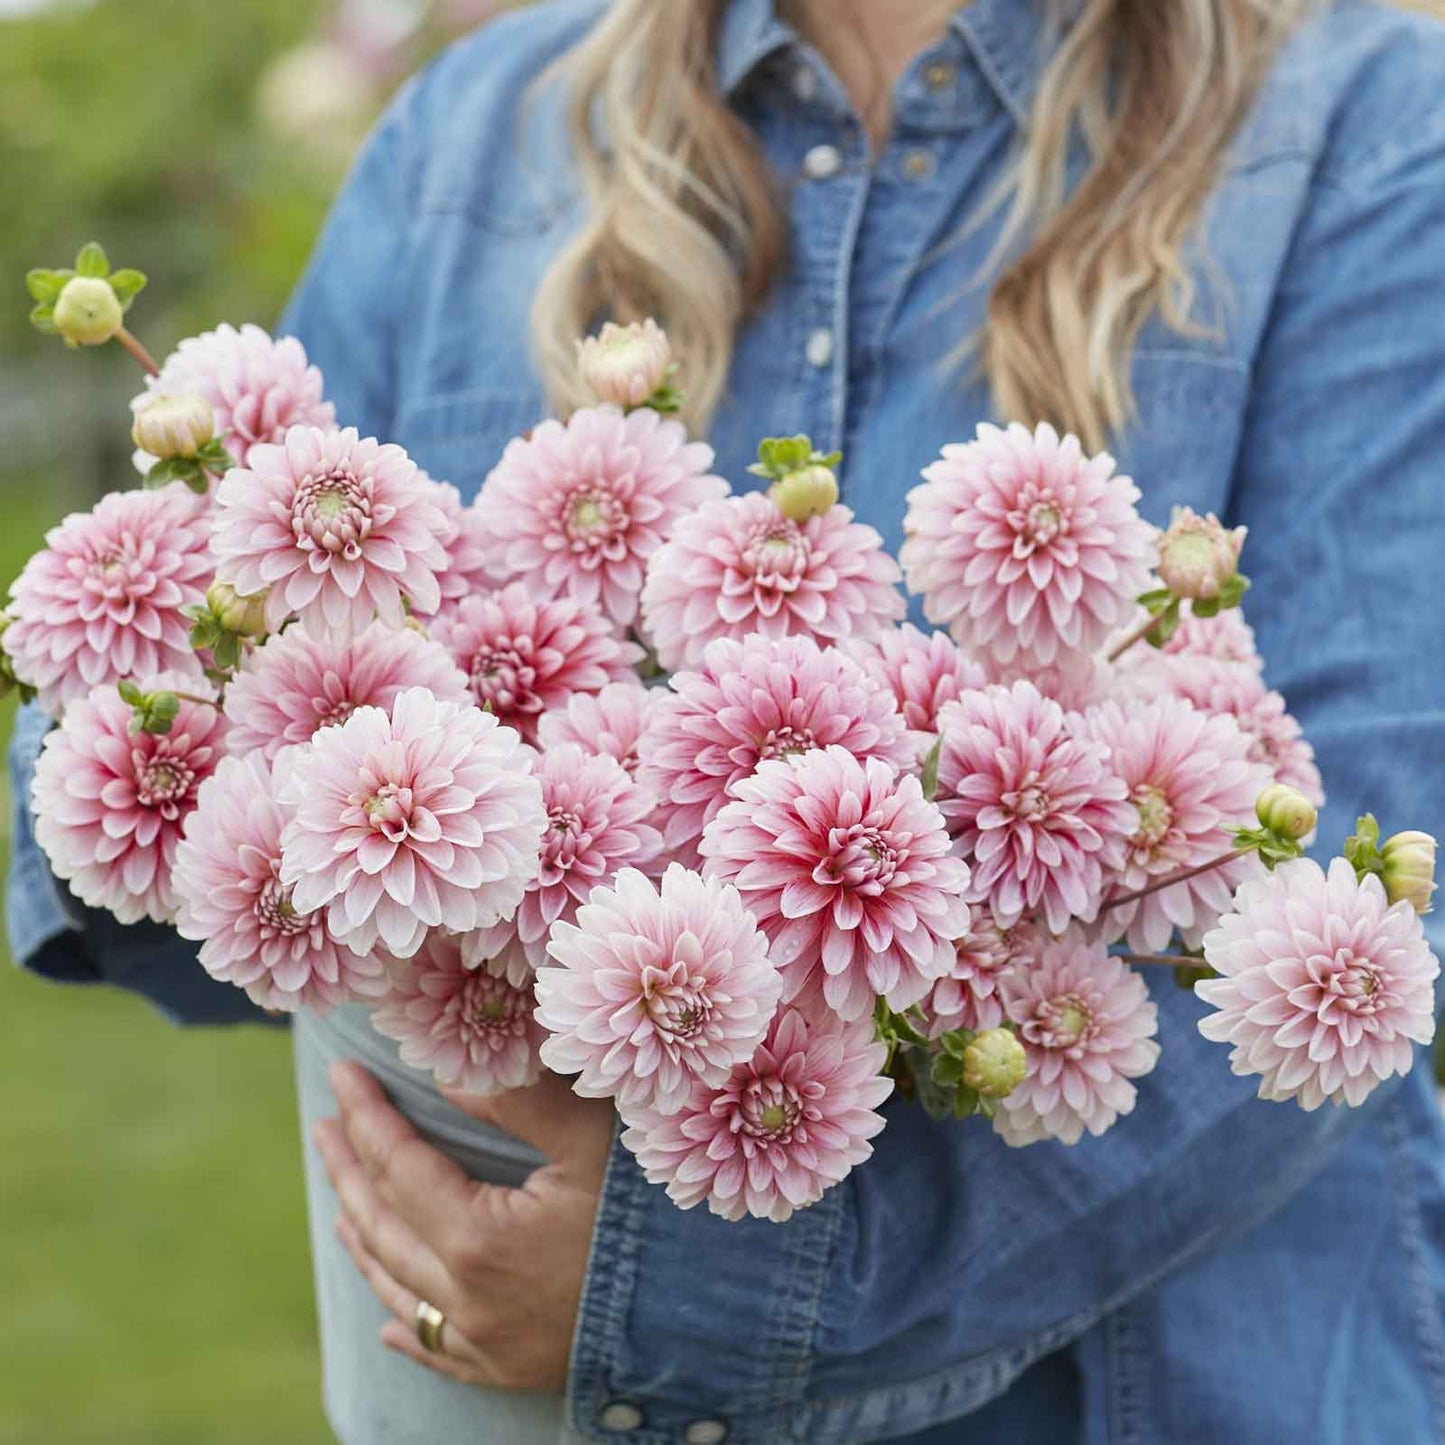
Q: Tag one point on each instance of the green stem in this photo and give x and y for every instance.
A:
(138, 351)
(1137, 635)
(1167, 960)
(1183, 876)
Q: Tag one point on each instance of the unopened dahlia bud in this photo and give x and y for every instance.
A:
(8, 681)
(806, 493)
(625, 365)
(1407, 869)
(1286, 811)
(243, 616)
(88, 312)
(1198, 556)
(174, 426)
(994, 1064)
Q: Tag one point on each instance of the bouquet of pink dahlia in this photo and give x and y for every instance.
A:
(620, 773)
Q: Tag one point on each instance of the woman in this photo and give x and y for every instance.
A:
(1238, 284)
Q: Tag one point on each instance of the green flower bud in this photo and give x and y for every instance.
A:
(173, 426)
(8, 681)
(1198, 555)
(1407, 869)
(88, 312)
(1286, 811)
(994, 1063)
(808, 492)
(243, 616)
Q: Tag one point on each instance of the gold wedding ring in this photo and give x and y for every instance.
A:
(429, 1322)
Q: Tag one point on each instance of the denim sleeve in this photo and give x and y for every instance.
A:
(951, 1255)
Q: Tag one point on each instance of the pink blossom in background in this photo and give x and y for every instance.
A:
(1324, 986)
(849, 871)
(1019, 544)
(787, 1125)
(110, 806)
(471, 1028)
(596, 824)
(294, 684)
(426, 817)
(1075, 680)
(1087, 1026)
(524, 656)
(610, 722)
(1225, 636)
(580, 508)
(739, 568)
(1191, 777)
(104, 599)
(655, 989)
(968, 997)
(1035, 803)
(751, 700)
(923, 670)
(465, 546)
(258, 387)
(500, 951)
(230, 900)
(341, 529)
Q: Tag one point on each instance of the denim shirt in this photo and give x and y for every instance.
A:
(1214, 1268)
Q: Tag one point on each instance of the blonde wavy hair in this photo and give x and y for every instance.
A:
(686, 223)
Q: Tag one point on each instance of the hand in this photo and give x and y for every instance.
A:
(505, 1266)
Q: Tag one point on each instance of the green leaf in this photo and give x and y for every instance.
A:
(129, 692)
(42, 317)
(1186, 975)
(46, 285)
(1232, 593)
(1166, 626)
(214, 456)
(127, 284)
(92, 261)
(929, 777)
(1206, 606)
(780, 456)
(227, 652)
(177, 469)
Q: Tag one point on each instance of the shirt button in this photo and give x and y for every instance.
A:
(938, 75)
(705, 1432)
(918, 165)
(819, 349)
(822, 162)
(620, 1415)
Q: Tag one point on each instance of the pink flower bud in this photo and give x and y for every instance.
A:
(174, 426)
(1198, 555)
(88, 312)
(808, 492)
(625, 365)
(1286, 811)
(1407, 869)
(995, 1063)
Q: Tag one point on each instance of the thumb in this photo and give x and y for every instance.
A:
(574, 1133)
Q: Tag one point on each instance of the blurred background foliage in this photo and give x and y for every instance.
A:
(155, 1284)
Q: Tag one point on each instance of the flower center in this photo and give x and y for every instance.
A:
(1028, 802)
(503, 677)
(492, 1008)
(164, 783)
(1350, 983)
(681, 1011)
(388, 810)
(786, 742)
(776, 556)
(863, 859)
(1044, 522)
(594, 521)
(566, 837)
(769, 1110)
(1060, 1023)
(333, 714)
(1039, 521)
(1156, 817)
(332, 514)
(274, 911)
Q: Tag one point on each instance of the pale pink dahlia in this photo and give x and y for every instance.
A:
(110, 806)
(258, 387)
(1087, 1025)
(524, 656)
(751, 700)
(293, 685)
(1018, 543)
(1035, 803)
(596, 824)
(1225, 636)
(653, 990)
(968, 997)
(465, 545)
(923, 670)
(786, 1126)
(738, 567)
(1324, 987)
(1191, 778)
(428, 817)
(580, 508)
(230, 899)
(473, 1028)
(1238, 690)
(104, 598)
(848, 870)
(611, 721)
(340, 529)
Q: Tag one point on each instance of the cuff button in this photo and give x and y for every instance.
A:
(705, 1432)
(620, 1415)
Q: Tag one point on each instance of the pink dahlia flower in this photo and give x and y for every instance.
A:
(104, 598)
(785, 1126)
(524, 656)
(294, 685)
(1087, 1026)
(738, 566)
(923, 670)
(1324, 984)
(596, 824)
(1191, 778)
(580, 508)
(473, 1028)
(258, 387)
(848, 870)
(968, 997)
(340, 529)
(230, 900)
(110, 806)
(655, 990)
(1018, 543)
(428, 817)
(1035, 804)
(751, 700)
(1226, 636)
(465, 545)
(609, 722)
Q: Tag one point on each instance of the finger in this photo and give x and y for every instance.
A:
(387, 1238)
(428, 1190)
(569, 1130)
(398, 1337)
